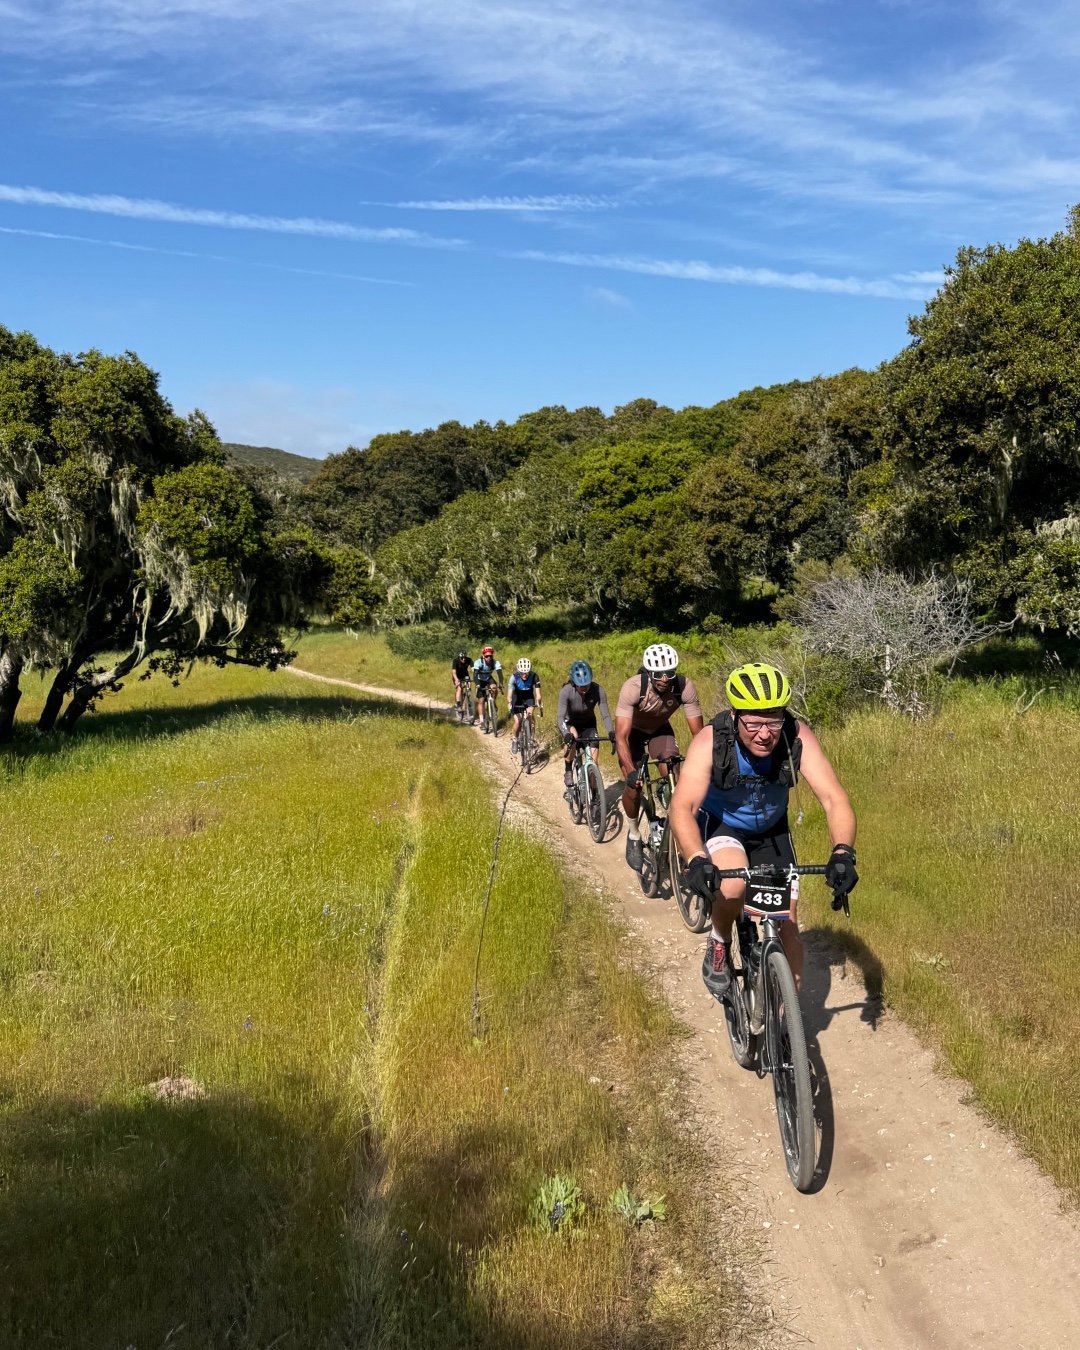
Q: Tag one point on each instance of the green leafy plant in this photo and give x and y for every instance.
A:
(636, 1212)
(558, 1205)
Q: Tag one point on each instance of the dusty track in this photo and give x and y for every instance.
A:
(927, 1228)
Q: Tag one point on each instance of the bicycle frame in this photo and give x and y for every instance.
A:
(656, 846)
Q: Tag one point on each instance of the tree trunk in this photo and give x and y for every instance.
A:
(60, 687)
(97, 684)
(10, 693)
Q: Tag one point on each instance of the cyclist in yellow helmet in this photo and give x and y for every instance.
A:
(730, 806)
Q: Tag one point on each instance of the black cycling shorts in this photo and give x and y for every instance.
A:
(773, 846)
(586, 729)
(520, 704)
(661, 743)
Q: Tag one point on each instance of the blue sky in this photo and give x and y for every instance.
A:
(320, 221)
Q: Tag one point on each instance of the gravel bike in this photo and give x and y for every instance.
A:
(489, 712)
(465, 703)
(586, 796)
(762, 1012)
(661, 860)
(526, 740)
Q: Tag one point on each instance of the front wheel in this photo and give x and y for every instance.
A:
(596, 800)
(786, 1044)
(469, 707)
(525, 741)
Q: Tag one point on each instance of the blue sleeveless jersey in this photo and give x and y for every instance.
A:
(752, 808)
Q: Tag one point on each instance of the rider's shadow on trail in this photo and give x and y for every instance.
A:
(827, 948)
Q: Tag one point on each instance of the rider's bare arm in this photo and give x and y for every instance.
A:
(694, 779)
(622, 742)
(826, 787)
(692, 707)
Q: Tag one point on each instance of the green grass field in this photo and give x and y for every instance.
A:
(966, 915)
(243, 1101)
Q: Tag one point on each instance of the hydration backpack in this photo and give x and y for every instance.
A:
(726, 773)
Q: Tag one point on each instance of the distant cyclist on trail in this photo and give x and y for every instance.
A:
(579, 699)
(643, 720)
(733, 795)
(461, 670)
(522, 694)
(487, 676)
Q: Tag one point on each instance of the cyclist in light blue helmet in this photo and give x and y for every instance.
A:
(579, 699)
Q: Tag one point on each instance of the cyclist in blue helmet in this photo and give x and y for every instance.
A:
(579, 699)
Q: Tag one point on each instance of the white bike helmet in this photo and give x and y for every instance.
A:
(660, 659)
(524, 665)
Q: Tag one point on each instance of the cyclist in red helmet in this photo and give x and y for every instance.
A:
(487, 676)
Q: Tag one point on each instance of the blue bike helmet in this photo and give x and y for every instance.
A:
(581, 674)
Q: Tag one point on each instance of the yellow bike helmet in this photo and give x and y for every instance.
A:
(757, 687)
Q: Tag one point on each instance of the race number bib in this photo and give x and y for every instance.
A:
(769, 897)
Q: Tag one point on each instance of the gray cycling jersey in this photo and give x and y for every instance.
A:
(577, 707)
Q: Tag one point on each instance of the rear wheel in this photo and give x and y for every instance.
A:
(786, 1041)
(596, 799)
(573, 793)
(744, 1044)
(652, 866)
(691, 906)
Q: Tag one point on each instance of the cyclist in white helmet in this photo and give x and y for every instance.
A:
(523, 694)
(643, 720)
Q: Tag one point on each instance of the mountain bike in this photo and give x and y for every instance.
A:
(489, 712)
(660, 853)
(465, 703)
(586, 796)
(762, 1012)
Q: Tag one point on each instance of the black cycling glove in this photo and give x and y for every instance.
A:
(701, 877)
(840, 875)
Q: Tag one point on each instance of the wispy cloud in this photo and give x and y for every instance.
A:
(953, 112)
(609, 299)
(205, 257)
(136, 208)
(559, 202)
(888, 288)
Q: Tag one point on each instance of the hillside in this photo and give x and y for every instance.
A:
(300, 467)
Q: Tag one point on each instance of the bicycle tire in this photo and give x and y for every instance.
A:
(691, 906)
(574, 799)
(525, 742)
(470, 705)
(652, 869)
(595, 801)
(790, 1070)
(736, 1004)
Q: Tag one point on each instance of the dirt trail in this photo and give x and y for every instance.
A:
(927, 1228)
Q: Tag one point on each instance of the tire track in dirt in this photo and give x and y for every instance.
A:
(928, 1227)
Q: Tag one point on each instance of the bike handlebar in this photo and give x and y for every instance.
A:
(734, 873)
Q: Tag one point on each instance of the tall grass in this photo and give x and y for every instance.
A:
(242, 1101)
